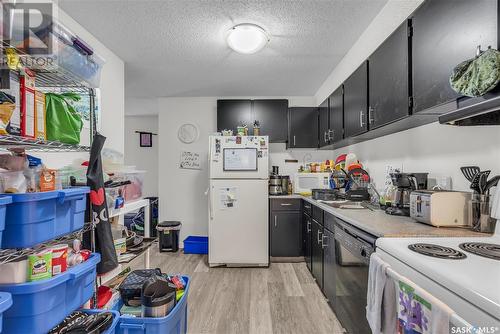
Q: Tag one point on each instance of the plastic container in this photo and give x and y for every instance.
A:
(87, 68)
(116, 319)
(3, 210)
(33, 218)
(132, 191)
(196, 245)
(14, 272)
(174, 323)
(5, 304)
(70, 212)
(39, 306)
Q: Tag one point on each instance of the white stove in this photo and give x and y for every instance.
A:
(466, 282)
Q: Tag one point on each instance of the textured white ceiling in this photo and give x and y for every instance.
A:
(177, 48)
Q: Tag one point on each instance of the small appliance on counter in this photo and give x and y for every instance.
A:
(285, 184)
(275, 186)
(405, 183)
(305, 182)
(440, 208)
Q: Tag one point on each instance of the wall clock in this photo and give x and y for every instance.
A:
(188, 133)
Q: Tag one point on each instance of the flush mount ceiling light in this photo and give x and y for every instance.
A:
(247, 38)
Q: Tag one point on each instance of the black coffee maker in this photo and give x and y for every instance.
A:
(405, 183)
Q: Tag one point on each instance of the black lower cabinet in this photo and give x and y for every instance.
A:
(286, 234)
(317, 252)
(306, 239)
(329, 277)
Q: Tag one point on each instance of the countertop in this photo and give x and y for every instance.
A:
(380, 224)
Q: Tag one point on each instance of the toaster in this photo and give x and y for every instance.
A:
(440, 208)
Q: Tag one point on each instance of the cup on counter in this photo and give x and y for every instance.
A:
(480, 214)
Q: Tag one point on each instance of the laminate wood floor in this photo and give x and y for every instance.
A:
(280, 299)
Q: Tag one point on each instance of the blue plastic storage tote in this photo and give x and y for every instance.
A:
(5, 303)
(174, 323)
(116, 319)
(196, 245)
(3, 210)
(33, 218)
(39, 306)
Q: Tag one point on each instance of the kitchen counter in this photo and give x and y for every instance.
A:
(380, 224)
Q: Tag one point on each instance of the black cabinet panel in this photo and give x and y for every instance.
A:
(317, 252)
(356, 102)
(445, 33)
(286, 240)
(306, 239)
(337, 115)
(388, 79)
(324, 123)
(329, 277)
(231, 113)
(272, 115)
(303, 127)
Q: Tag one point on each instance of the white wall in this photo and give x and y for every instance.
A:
(144, 158)
(438, 149)
(182, 191)
(112, 92)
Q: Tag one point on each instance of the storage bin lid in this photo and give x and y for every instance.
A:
(4, 200)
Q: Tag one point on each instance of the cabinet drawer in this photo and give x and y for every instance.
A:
(329, 221)
(285, 204)
(307, 208)
(317, 214)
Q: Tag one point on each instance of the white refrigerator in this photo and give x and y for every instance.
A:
(238, 232)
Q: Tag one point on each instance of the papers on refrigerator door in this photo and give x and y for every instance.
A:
(228, 198)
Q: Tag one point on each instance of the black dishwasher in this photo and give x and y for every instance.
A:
(353, 248)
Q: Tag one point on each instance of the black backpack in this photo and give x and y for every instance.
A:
(130, 289)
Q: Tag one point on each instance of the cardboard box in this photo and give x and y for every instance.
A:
(40, 132)
(14, 125)
(27, 87)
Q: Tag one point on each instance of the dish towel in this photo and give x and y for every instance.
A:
(377, 279)
(418, 312)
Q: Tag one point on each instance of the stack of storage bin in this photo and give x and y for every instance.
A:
(26, 220)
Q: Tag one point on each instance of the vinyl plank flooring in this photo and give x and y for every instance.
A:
(281, 299)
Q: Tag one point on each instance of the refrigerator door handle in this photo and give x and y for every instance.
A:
(210, 206)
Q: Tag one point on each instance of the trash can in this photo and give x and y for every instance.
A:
(168, 232)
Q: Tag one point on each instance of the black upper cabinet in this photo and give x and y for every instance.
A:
(356, 102)
(303, 127)
(445, 33)
(389, 79)
(324, 123)
(272, 115)
(231, 113)
(336, 132)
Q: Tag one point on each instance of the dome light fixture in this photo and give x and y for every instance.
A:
(247, 38)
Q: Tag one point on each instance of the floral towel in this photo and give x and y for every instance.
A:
(419, 312)
(414, 312)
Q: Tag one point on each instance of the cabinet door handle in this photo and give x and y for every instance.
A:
(330, 134)
(286, 204)
(294, 140)
(361, 123)
(308, 226)
(319, 237)
(275, 221)
(371, 115)
(307, 206)
(325, 244)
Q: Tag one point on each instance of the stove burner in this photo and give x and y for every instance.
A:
(437, 251)
(491, 251)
